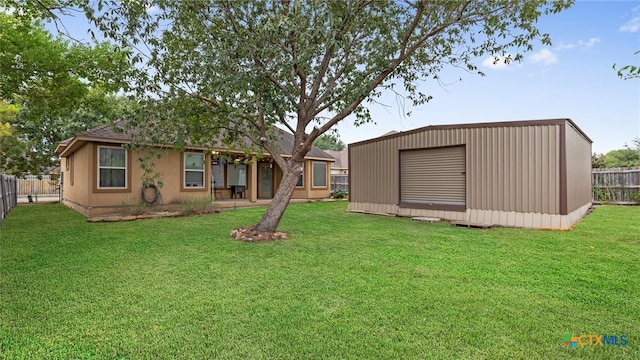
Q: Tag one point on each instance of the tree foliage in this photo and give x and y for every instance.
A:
(628, 72)
(58, 86)
(39, 68)
(329, 142)
(233, 70)
(12, 150)
(597, 161)
(628, 156)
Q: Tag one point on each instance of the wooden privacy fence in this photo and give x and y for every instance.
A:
(31, 185)
(616, 186)
(8, 195)
(340, 182)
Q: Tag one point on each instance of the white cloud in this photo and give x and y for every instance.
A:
(497, 62)
(632, 25)
(591, 42)
(581, 43)
(563, 46)
(544, 56)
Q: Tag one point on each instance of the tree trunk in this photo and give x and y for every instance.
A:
(271, 219)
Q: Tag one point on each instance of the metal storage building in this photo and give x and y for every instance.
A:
(531, 174)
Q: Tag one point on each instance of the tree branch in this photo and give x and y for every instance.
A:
(405, 52)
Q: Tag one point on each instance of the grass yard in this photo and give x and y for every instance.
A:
(344, 286)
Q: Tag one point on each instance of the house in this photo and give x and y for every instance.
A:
(531, 174)
(341, 165)
(100, 175)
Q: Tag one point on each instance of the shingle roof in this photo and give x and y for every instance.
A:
(342, 158)
(108, 132)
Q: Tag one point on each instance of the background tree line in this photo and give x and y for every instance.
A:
(51, 88)
(628, 156)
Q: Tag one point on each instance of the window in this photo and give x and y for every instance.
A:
(236, 174)
(112, 167)
(300, 183)
(193, 170)
(319, 174)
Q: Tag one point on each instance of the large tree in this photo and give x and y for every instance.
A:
(58, 87)
(234, 70)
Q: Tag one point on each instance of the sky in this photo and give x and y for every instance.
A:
(573, 79)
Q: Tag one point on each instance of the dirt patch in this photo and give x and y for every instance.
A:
(249, 234)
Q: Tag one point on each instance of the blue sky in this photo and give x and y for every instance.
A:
(573, 79)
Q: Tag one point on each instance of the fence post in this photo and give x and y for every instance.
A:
(3, 203)
(8, 198)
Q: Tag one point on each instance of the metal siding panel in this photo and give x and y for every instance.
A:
(392, 172)
(520, 193)
(499, 168)
(509, 166)
(554, 157)
(555, 170)
(513, 168)
(544, 159)
(543, 180)
(475, 187)
(578, 169)
(534, 169)
(480, 175)
(486, 170)
(495, 167)
(526, 172)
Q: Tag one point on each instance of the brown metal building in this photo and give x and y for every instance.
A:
(531, 174)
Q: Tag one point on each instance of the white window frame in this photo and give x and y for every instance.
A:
(125, 168)
(184, 170)
(313, 176)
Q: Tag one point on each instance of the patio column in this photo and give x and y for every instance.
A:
(253, 183)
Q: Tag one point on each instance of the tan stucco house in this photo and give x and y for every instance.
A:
(101, 175)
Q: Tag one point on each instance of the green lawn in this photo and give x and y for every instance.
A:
(344, 286)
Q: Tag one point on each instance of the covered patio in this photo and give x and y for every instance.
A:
(240, 203)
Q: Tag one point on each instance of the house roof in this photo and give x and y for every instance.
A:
(391, 135)
(342, 158)
(108, 133)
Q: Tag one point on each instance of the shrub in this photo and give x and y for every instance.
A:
(198, 205)
(339, 194)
